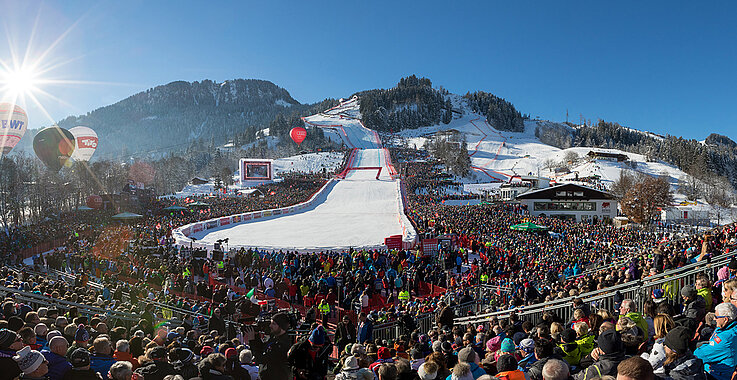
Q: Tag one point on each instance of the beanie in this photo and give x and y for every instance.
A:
(206, 350)
(28, 360)
(80, 358)
(384, 353)
(506, 363)
(610, 342)
(317, 337)
(281, 319)
(507, 345)
(568, 336)
(81, 335)
(7, 338)
(467, 355)
(688, 291)
(677, 339)
(231, 353)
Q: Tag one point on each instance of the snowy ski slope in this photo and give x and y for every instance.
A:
(357, 211)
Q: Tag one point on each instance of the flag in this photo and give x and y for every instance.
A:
(251, 293)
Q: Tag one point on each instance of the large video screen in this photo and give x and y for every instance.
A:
(257, 170)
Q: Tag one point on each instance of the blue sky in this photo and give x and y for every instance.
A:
(666, 67)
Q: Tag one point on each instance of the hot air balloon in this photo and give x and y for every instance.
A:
(85, 143)
(13, 125)
(54, 146)
(298, 134)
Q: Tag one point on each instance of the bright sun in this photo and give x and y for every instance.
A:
(19, 82)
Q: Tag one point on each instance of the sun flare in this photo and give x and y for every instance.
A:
(19, 82)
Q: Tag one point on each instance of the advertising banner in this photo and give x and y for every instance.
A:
(224, 221)
(236, 219)
(211, 224)
(197, 227)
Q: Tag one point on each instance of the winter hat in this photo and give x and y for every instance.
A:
(206, 350)
(447, 347)
(424, 374)
(467, 355)
(678, 339)
(517, 338)
(81, 335)
(527, 345)
(507, 345)
(7, 337)
(157, 353)
(351, 363)
(506, 363)
(80, 358)
(384, 353)
(317, 337)
(658, 295)
(231, 353)
(358, 349)
(568, 336)
(281, 319)
(185, 355)
(41, 329)
(733, 264)
(171, 336)
(610, 342)
(688, 291)
(28, 360)
(52, 334)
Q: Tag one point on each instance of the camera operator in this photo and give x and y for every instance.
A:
(272, 354)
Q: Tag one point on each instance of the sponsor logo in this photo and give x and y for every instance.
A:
(197, 228)
(211, 224)
(276, 212)
(266, 213)
(224, 221)
(236, 219)
(246, 216)
(87, 142)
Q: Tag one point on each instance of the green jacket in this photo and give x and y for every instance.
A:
(572, 357)
(585, 344)
(639, 320)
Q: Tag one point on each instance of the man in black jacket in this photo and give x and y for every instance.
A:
(345, 333)
(272, 354)
(216, 322)
(158, 368)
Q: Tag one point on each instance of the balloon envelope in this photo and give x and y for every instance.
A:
(85, 143)
(94, 201)
(298, 134)
(54, 146)
(13, 125)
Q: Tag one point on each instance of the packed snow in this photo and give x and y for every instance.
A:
(358, 211)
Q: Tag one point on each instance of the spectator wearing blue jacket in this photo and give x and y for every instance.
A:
(365, 328)
(56, 356)
(720, 353)
(102, 359)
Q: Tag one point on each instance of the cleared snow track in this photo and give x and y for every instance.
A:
(356, 211)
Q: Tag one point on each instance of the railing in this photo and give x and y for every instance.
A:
(36, 300)
(638, 291)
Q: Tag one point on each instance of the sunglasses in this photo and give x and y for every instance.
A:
(720, 316)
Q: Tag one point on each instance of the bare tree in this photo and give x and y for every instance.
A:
(644, 199)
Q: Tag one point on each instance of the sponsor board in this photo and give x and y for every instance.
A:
(224, 221)
(186, 231)
(211, 224)
(276, 212)
(246, 217)
(236, 219)
(197, 227)
(256, 215)
(266, 213)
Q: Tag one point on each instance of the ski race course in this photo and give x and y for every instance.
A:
(353, 210)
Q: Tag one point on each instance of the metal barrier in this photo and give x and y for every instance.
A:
(36, 300)
(638, 291)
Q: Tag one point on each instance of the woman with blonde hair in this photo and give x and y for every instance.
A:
(663, 323)
(729, 291)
